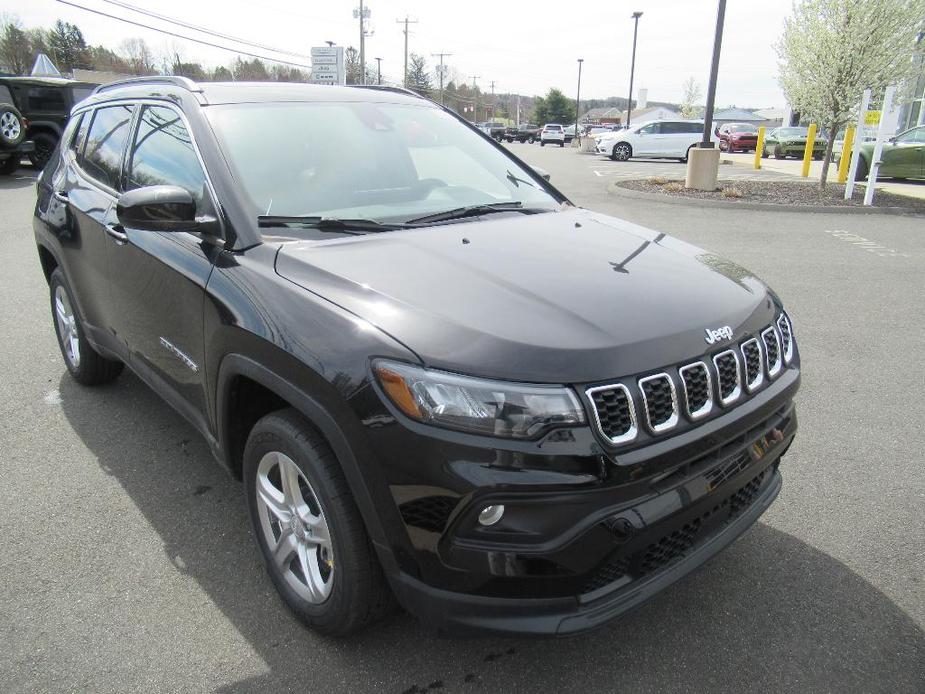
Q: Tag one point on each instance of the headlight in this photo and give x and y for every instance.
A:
(492, 408)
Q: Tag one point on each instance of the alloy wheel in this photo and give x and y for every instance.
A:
(294, 527)
(621, 152)
(10, 126)
(67, 327)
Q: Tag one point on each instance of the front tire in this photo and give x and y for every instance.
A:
(861, 172)
(779, 153)
(84, 363)
(309, 529)
(621, 152)
(8, 166)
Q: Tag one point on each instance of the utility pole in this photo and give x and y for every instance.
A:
(362, 14)
(475, 117)
(492, 116)
(629, 105)
(378, 70)
(440, 70)
(406, 22)
(577, 136)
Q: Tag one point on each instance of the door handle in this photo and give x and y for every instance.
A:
(117, 232)
(61, 196)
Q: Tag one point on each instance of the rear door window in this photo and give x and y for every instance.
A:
(102, 157)
(46, 99)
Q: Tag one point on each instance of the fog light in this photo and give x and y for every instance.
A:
(491, 514)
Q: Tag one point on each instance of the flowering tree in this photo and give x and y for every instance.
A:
(832, 50)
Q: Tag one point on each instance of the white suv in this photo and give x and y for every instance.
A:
(552, 132)
(661, 139)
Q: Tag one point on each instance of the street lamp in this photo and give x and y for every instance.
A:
(578, 101)
(378, 70)
(629, 105)
(707, 142)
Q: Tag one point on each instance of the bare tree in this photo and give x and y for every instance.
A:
(690, 98)
(138, 56)
(831, 50)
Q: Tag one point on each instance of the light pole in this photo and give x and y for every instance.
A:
(714, 69)
(378, 70)
(578, 101)
(629, 105)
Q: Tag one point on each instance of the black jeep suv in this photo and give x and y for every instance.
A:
(45, 104)
(439, 380)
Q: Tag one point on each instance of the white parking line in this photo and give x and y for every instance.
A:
(865, 244)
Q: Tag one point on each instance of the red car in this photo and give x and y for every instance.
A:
(737, 137)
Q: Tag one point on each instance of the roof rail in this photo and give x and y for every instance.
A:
(175, 80)
(388, 88)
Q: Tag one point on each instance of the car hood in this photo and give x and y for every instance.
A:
(562, 297)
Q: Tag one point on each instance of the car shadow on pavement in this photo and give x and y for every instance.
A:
(772, 612)
(23, 178)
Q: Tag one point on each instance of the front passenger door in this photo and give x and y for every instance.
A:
(159, 278)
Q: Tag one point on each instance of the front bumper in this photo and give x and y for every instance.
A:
(562, 616)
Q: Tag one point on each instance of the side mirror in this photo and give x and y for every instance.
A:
(543, 173)
(162, 208)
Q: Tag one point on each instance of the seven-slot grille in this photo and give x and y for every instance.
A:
(754, 368)
(756, 360)
(786, 337)
(729, 376)
(614, 412)
(698, 389)
(661, 403)
(772, 350)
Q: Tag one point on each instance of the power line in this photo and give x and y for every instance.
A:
(180, 36)
(201, 29)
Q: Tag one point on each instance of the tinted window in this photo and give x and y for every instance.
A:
(107, 136)
(46, 99)
(5, 95)
(162, 153)
(382, 161)
(82, 121)
(676, 128)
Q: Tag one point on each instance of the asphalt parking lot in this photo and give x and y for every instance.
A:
(128, 563)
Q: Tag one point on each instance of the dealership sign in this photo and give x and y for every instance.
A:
(328, 65)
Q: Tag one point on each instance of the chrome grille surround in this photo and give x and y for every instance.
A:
(786, 333)
(752, 386)
(737, 391)
(767, 336)
(707, 407)
(673, 418)
(630, 434)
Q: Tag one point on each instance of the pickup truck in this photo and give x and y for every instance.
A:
(525, 133)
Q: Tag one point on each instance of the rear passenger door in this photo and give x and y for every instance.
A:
(87, 189)
(159, 278)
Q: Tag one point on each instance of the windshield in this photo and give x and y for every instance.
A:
(743, 129)
(361, 160)
(792, 132)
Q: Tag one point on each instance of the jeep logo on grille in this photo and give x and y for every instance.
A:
(713, 336)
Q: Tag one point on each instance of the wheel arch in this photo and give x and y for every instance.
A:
(240, 375)
(48, 261)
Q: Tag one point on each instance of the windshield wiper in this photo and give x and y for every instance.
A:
(347, 226)
(471, 211)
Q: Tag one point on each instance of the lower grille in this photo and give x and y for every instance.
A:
(674, 545)
(428, 512)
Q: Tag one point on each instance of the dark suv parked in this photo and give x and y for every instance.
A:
(438, 379)
(45, 103)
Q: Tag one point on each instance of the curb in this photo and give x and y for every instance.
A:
(616, 189)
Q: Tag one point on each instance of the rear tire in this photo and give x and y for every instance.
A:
(45, 144)
(84, 363)
(329, 574)
(9, 166)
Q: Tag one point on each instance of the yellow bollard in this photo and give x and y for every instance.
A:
(759, 147)
(808, 153)
(845, 163)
